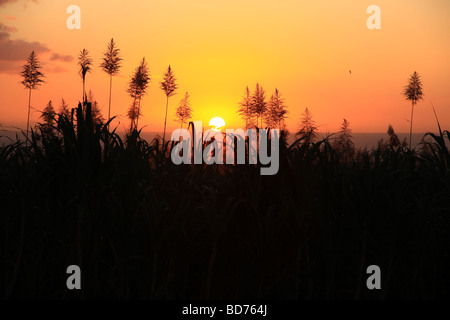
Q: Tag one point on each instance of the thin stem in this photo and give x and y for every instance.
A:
(133, 120)
(410, 130)
(165, 120)
(84, 89)
(138, 112)
(28, 121)
(110, 90)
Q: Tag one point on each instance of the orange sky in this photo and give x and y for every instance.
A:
(218, 47)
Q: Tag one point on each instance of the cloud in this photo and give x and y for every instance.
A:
(61, 57)
(14, 52)
(9, 67)
(6, 28)
(4, 2)
(55, 69)
(8, 17)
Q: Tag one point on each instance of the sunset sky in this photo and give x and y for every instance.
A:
(218, 47)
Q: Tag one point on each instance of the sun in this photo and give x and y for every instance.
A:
(217, 124)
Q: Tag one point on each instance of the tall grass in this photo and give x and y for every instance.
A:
(140, 227)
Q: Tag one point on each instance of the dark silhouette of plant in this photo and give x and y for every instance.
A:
(96, 113)
(245, 109)
(355, 211)
(276, 111)
(259, 104)
(394, 141)
(48, 115)
(343, 141)
(133, 114)
(169, 86)
(64, 108)
(184, 111)
(32, 78)
(137, 88)
(111, 64)
(413, 92)
(85, 63)
(308, 128)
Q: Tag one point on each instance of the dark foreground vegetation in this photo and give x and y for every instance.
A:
(141, 227)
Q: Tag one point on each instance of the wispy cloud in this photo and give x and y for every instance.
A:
(5, 2)
(61, 57)
(6, 28)
(9, 17)
(9, 67)
(14, 51)
(54, 69)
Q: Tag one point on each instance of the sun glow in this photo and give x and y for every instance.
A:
(217, 124)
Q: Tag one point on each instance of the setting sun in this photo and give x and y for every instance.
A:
(217, 123)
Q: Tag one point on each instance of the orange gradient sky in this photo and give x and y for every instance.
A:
(218, 47)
